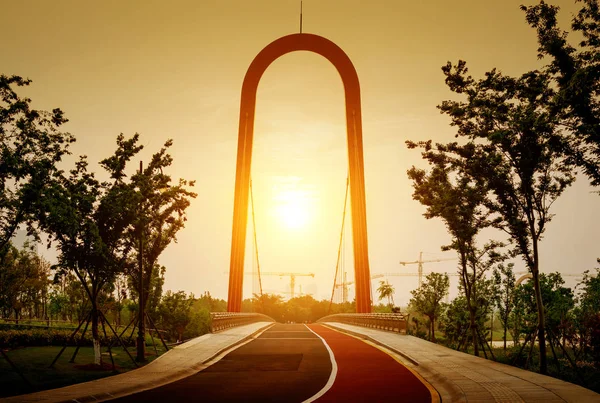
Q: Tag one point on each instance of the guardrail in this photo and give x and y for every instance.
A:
(393, 322)
(225, 320)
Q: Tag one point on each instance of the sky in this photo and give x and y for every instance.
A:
(174, 70)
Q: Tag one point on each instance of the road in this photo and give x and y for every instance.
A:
(293, 363)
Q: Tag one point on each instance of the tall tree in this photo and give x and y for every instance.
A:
(160, 215)
(30, 147)
(427, 298)
(451, 193)
(90, 223)
(516, 145)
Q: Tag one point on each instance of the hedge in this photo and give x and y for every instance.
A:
(51, 337)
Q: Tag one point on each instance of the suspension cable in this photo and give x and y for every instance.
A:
(337, 265)
(255, 241)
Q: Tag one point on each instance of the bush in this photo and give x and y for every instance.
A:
(50, 337)
(199, 324)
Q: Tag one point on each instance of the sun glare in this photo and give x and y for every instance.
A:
(292, 209)
(293, 215)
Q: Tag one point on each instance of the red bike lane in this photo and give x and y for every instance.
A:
(367, 374)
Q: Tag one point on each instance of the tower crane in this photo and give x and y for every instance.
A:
(345, 284)
(420, 263)
(281, 274)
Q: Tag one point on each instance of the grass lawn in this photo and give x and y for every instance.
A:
(498, 334)
(33, 362)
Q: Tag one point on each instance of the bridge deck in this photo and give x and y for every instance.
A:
(455, 376)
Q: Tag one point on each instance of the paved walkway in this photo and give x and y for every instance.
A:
(460, 377)
(180, 362)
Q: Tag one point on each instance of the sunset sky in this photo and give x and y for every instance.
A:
(175, 69)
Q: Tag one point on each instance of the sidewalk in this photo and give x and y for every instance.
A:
(460, 377)
(179, 362)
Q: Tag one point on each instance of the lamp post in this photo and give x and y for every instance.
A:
(141, 340)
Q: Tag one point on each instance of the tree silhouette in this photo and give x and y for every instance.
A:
(386, 290)
(30, 147)
(427, 298)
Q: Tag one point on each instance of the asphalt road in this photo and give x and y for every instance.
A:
(292, 363)
(287, 363)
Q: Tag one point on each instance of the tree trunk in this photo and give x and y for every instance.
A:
(473, 330)
(505, 328)
(541, 323)
(432, 320)
(96, 335)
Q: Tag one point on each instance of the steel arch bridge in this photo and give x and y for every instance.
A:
(341, 61)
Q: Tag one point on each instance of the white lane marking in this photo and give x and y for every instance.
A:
(332, 376)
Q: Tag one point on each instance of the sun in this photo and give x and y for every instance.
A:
(292, 208)
(293, 215)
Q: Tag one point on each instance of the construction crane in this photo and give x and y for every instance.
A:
(420, 263)
(281, 274)
(345, 284)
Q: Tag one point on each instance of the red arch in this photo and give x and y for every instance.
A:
(341, 61)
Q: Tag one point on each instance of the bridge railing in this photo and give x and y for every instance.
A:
(394, 322)
(225, 320)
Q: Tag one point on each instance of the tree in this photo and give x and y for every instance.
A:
(23, 283)
(426, 299)
(270, 305)
(458, 198)
(386, 290)
(588, 315)
(505, 280)
(89, 225)
(456, 321)
(175, 312)
(516, 145)
(574, 71)
(30, 147)
(120, 296)
(160, 214)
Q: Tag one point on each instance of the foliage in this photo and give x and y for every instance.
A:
(455, 322)
(588, 316)
(574, 71)
(175, 313)
(270, 305)
(31, 146)
(89, 224)
(23, 283)
(452, 193)
(386, 290)
(427, 298)
(160, 215)
(515, 146)
(504, 278)
(48, 337)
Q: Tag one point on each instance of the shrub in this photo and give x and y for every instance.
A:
(50, 337)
